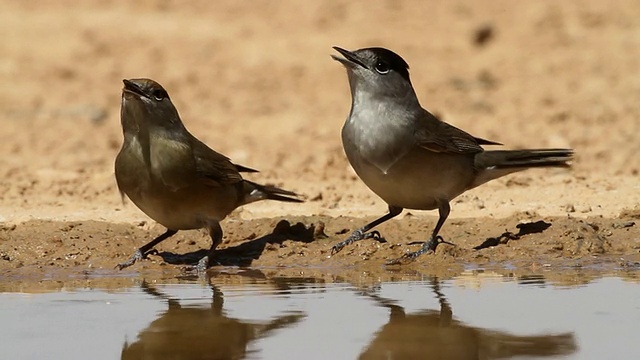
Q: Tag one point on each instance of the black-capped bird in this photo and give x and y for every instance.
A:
(406, 155)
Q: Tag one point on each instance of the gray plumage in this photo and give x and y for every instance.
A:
(406, 155)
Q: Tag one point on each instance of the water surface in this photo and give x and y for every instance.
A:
(239, 316)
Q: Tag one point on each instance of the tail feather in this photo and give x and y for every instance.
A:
(241, 168)
(494, 164)
(502, 159)
(255, 192)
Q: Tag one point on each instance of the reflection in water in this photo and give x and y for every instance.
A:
(436, 335)
(533, 279)
(189, 332)
(199, 333)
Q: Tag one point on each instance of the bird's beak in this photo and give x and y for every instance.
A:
(349, 60)
(132, 88)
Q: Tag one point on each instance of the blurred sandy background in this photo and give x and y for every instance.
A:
(255, 81)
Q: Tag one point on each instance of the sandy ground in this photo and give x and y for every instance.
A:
(255, 81)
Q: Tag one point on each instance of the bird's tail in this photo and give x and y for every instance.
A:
(524, 158)
(494, 164)
(254, 192)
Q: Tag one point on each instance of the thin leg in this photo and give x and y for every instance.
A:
(434, 240)
(215, 232)
(141, 252)
(363, 233)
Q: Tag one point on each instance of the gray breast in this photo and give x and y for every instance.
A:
(377, 135)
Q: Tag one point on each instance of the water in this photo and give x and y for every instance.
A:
(234, 317)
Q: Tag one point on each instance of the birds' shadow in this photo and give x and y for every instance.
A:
(523, 229)
(244, 253)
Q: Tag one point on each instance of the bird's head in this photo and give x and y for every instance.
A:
(376, 70)
(147, 103)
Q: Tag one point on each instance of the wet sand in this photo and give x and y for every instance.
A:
(299, 244)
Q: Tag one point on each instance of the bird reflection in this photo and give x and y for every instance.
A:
(199, 333)
(431, 334)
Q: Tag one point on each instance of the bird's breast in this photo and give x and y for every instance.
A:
(372, 136)
(172, 162)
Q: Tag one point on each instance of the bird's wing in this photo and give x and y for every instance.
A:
(214, 168)
(438, 136)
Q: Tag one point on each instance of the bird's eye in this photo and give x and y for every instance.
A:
(382, 67)
(159, 94)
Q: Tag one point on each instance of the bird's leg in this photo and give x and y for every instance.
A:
(433, 242)
(142, 252)
(363, 233)
(215, 232)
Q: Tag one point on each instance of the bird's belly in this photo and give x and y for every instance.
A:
(419, 180)
(190, 206)
(185, 208)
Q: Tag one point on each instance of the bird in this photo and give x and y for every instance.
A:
(173, 177)
(409, 157)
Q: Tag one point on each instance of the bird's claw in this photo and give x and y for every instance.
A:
(428, 247)
(132, 260)
(409, 257)
(203, 265)
(357, 236)
(337, 248)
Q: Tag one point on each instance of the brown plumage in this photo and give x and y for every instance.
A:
(172, 176)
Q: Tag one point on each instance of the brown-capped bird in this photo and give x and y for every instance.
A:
(173, 177)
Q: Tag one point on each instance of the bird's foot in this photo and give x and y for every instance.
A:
(132, 260)
(203, 265)
(357, 236)
(429, 246)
